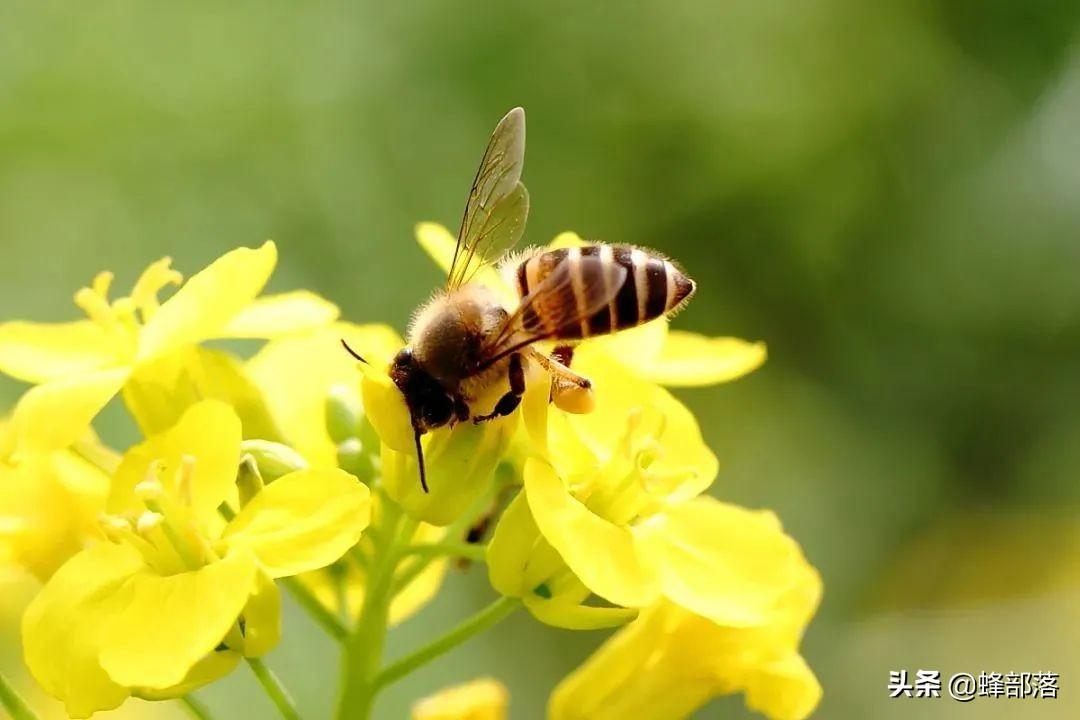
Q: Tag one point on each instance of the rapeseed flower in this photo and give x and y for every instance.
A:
(79, 366)
(50, 501)
(159, 565)
(670, 661)
(178, 594)
(481, 699)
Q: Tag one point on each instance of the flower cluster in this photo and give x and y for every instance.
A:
(161, 566)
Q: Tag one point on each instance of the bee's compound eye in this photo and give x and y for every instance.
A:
(573, 398)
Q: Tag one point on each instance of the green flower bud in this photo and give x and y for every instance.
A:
(273, 459)
(344, 411)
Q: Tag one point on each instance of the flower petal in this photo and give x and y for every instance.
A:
(783, 689)
(65, 625)
(691, 360)
(511, 547)
(636, 673)
(572, 616)
(302, 521)
(206, 440)
(49, 508)
(272, 316)
(56, 414)
(295, 375)
(165, 625)
(207, 302)
(440, 244)
(262, 617)
(161, 390)
(721, 561)
(212, 667)
(566, 239)
(602, 554)
(483, 699)
(40, 352)
(386, 409)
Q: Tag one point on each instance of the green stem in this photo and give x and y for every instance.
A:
(274, 689)
(468, 551)
(327, 620)
(195, 708)
(478, 623)
(13, 703)
(364, 647)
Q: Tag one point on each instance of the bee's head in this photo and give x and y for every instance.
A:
(429, 404)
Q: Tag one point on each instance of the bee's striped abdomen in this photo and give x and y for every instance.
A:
(651, 287)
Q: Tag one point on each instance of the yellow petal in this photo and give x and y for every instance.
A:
(572, 616)
(720, 561)
(272, 316)
(437, 242)
(302, 521)
(168, 624)
(636, 348)
(160, 390)
(483, 699)
(40, 352)
(690, 360)
(56, 414)
(385, 407)
(295, 374)
(49, 508)
(635, 674)
(566, 239)
(207, 302)
(601, 554)
(66, 623)
(262, 617)
(783, 689)
(511, 547)
(212, 667)
(205, 442)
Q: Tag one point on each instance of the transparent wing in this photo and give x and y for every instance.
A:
(498, 204)
(558, 305)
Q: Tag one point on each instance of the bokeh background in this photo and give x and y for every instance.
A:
(888, 193)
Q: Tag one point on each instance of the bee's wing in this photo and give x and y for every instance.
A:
(498, 203)
(555, 307)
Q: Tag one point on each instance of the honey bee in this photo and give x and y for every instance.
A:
(464, 340)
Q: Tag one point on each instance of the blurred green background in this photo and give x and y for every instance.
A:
(888, 193)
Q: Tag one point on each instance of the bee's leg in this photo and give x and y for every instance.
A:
(508, 402)
(569, 391)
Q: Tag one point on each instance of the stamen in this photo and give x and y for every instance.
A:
(148, 521)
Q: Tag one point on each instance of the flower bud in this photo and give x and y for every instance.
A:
(273, 459)
(344, 411)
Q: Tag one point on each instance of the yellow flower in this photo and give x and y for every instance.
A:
(79, 366)
(49, 502)
(323, 389)
(669, 662)
(179, 595)
(481, 699)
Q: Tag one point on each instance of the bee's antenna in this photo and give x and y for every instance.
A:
(353, 352)
(420, 460)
